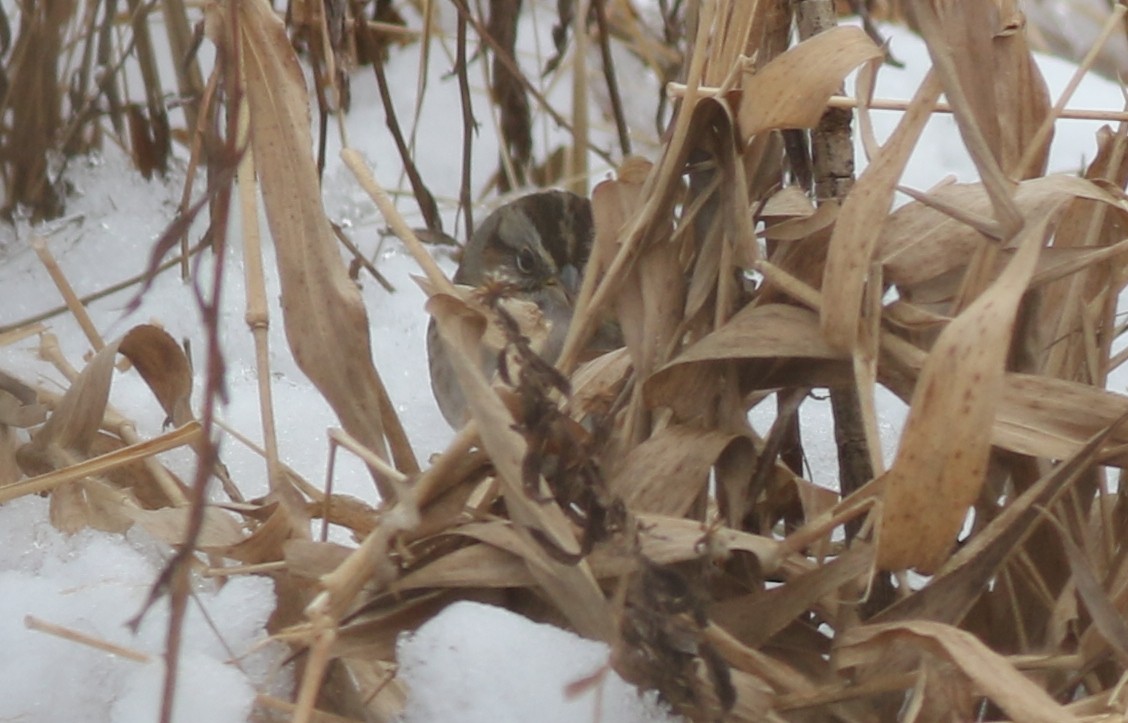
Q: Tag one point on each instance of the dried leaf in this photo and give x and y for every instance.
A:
(666, 473)
(958, 36)
(791, 91)
(961, 380)
(219, 532)
(955, 588)
(761, 336)
(161, 362)
(309, 559)
(861, 220)
(324, 315)
(1022, 100)
(754, 619)
(9, 469)
(1107, 619)
(1047, 417)
(919, 243)
(992, 673)
(69, 431)
(573, 587)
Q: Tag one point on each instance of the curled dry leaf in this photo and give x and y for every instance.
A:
(760, 336)
(961, 380)
(791, 91)
(920, 242)
(161, 362)
(992, 673)
(666, 473)
(324, 316)
(861, 219)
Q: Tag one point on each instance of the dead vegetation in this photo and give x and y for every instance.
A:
(627, 497)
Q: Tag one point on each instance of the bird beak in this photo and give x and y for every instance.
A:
(570, 279)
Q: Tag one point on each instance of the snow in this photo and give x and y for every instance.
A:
(93, 583)
(468, 659)
(476, 662)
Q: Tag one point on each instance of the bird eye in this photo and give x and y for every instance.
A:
(526, 261)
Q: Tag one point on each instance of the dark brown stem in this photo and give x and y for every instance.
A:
(612, 80)
(511, 64)
(469, 126)
(423, 197)
(175, 577)
(159, 141)
(832, 157)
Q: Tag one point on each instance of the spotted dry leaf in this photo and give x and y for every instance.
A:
(324, 316)
(942, 461)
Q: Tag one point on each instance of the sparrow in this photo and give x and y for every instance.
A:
(535, 249)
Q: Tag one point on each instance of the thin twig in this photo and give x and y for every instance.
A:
(677, 90)
(611, 77)
(361, 259)
(77, 309)
(423, 195)
(33, 623)
(469, 126)
(511, 64)
(89, 298)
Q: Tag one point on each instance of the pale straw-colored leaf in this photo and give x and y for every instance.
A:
(991, 673)
(666, 473)
(324, 317)
(860, 222)
(961, 380)
(791, 90)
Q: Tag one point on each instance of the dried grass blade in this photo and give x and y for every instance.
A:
(921, 240)
(992, 673)
(791, 91)
(1106, 618)
(188, 434)
(759, 336)
(955, 588)
(479, 567)
(755, 618)
(1021, 96)
(945, 28)
(218, 531)
(1047, 417)
(860, 222)
(961, 380)
(660, 185)
(666, 473)
(324, 316)
(71, 427)
(573, 587)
